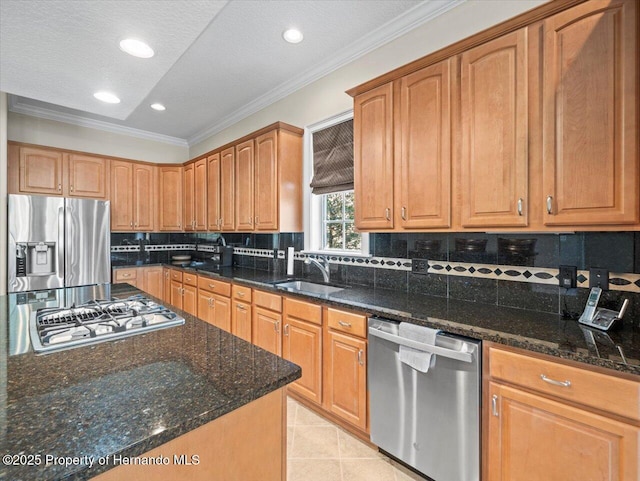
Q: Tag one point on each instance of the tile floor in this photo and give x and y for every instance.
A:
(318, 450)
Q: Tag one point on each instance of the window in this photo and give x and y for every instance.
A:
(338, 231)
(329, 199)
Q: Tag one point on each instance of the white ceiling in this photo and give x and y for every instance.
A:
(216, 62)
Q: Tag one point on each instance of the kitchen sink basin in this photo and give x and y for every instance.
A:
(309, 287)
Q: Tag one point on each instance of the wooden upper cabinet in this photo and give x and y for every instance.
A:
(170, 190)
(200, 195)
(227, 189)
(40, 171)
(144, 200)
(132, 196)
(122, 202)
(494, 124)
(189, 199)
(244, 185)
(590, 116)
(266, 182)
(373, 158)
(424, 163)
(88, 176)
(213, 191)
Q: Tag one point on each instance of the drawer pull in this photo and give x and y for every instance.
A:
(241, 307)
(126, 275)
(344, 324)
(494, 404)
(554, 382)
(240, 294)
(212, 286)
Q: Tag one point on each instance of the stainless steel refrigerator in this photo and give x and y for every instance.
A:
(57, 242)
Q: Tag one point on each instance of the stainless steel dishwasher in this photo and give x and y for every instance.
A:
(429, 420)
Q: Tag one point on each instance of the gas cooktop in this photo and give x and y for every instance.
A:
(96, 321)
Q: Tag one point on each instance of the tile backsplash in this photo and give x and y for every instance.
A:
(514, 270)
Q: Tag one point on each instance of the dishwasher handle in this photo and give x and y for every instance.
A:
(437, 350)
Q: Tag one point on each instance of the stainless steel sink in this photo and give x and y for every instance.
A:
(310, 287)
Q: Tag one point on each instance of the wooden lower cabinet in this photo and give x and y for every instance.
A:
(127, 275)
(266, 321)
(556, 421)
(190, 299)
(229, 448)
(215, 309)
(152, 281)
(266, 329)
(166, 285)
(302, 345)
(533, 438)
(176, 294)
(241, 319)
(345, 377)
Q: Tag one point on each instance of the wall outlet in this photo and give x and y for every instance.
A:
(568, 277)
(599, 278)
(419, 266)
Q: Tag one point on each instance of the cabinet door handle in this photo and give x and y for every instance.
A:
(554, 382)
(276, 326)
(59, 186)
(182, 291)
(256, 220)
(71, 188)
(361, 357)
(403, 213)
(131, 223)
(549, 204)
(494, 405)
(250, 221)
(387, 213)
(286, 330)
(520, 206)
(344, 323)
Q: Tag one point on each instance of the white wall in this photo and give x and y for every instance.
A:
(34, 130)
(3, 193)
(326, 97)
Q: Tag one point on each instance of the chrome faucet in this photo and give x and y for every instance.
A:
(323, 266)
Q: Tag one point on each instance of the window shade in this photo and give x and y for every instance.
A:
(333, 159)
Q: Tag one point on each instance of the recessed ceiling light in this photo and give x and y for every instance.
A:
(107, 97)
(158, 107)
(137, 48)
(292, 35)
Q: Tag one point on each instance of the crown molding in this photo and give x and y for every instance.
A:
(411, 19)
(44, 113)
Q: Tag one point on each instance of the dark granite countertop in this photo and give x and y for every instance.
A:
(120, 397)
(531, 330)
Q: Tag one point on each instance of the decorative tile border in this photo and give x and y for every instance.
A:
(154, 247)
(245, 251)
(628, 282)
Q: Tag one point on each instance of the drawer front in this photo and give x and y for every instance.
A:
(176, 275)
(212, 285)
(267, 300)
(303, 310)
(241, 293)
(350, 322)
(190, 279)
(580, 385)
(124, 275)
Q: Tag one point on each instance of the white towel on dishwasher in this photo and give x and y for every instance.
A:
(419, 360)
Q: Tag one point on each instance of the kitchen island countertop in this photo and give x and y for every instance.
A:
(67, 410)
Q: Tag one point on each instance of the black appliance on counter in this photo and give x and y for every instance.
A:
(221, 256)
